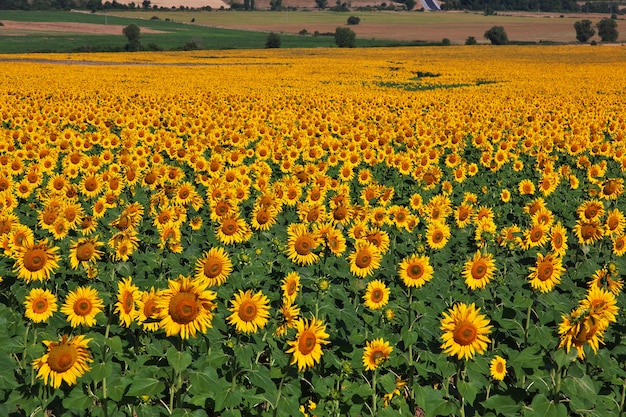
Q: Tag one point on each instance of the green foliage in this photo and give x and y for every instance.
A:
(273, 40)
(497, 35)
(471, 40)
(321, 4)
(345, 37)
(354, 20)
(607, 30)
(584, 31)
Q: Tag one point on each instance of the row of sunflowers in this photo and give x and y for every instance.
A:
(431, 231)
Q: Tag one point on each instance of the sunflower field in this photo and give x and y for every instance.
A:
(407, 231)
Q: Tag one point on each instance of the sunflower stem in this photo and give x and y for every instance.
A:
(621, 405)
(374, 396)
(459, 377)
(526, 327)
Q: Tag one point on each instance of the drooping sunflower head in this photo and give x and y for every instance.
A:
(291, 286)
(147, 310)
(465, 331)
(66, 360)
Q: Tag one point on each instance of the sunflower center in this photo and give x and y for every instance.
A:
(499, 367)
(415, 271)
(40, 306)
(184, 307)
(545, 270)
(557, 240)
(363, 260)
(262, 217)
(464, 333)
(229, 227)
(377, 295)
(613, 223)
(437, 236)
(291, 288)
(183, 194)
(127, 302)
(247, 311)
(307, 342)
(609, 187)
(91, 184)
(340, 213)
(479, 269)
(377, 355)
(82, 307)
(62, 357)
(212, 267)
(85, 251)
(588, 231)
(150, 309)
(35, 259)
(303, 245)
(536, 234)
(221, 209)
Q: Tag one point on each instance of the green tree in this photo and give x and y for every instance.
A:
(345, 37)
(321, 4)
(497, 36)
(607, 30)
(273, 40)
(584, 31)
(133, 35)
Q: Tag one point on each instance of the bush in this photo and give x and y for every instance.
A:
(445, 42)
(272, 40)
(471, 40)
(354, 20)
(607, 30)
(497, 36)
(584, 31)
(345, 38)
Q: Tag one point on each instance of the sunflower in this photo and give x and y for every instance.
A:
(375, 353)
(619, 245)
(536, 236)
(185, 307)
(415, 270)
(307, 347)
(615, 223)
(290, 313)
(81, 306)
(611, 188)
(301, 243)
(463, 214)
(263, 217)
(497, 368)
(365, 259)
(215, 266)
(40, 304)
(479, 270)
(335, 241)
(127, 295)
(588, 231)
(558, 239)
(250, 312)
(465, 331)
(232, 229)
(526, 187)
(65, 360)
(590, 210)
(578, 328)
(85, 252)
(290, 286)
(376, 295)
(147, 310)
(546, 273)
(437, 234)
(602, 305)
(35, 260)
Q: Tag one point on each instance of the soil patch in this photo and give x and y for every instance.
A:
(13, 28)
